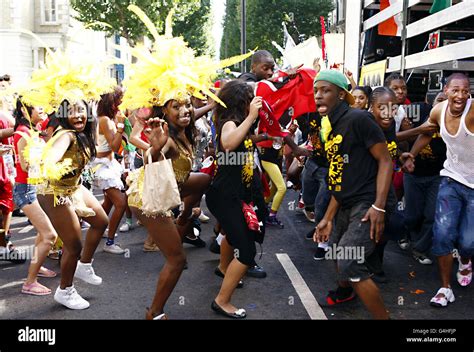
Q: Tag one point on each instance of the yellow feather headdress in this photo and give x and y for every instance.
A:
(170, 71)
(62, 79)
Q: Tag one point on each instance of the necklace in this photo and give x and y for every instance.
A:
(454, 116)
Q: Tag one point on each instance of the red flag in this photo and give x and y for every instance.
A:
(323, 42)
(269, 124)
(297, 94)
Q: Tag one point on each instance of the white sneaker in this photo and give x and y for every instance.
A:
(86, 273)
(125, 227)
(114, 249)
(309, 215)
(70, 298)
(204, 218)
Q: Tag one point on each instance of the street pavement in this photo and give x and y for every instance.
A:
(294, 284)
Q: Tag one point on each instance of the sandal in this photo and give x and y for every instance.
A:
(464, 280)
(45, 272)
(444, 296)
(54, 254)
(35, 289)
(151, 316)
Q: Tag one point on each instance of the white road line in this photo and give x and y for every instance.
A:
(309, 302)
(26, 229)
(25, 239)
(12, 284)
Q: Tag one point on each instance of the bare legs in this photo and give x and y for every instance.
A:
(164, 233)
(44, 240)
(114, 197)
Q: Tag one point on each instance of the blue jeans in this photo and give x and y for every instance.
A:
(454, 219)
(24, 194)
(315, 189)
(420, 206)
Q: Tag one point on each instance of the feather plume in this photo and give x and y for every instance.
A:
(145, 19)
(170, 71)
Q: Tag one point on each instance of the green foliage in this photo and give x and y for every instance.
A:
(264, 22)
(190, 20)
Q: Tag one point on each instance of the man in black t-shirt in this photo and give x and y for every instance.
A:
(262, 67)
(360, 175)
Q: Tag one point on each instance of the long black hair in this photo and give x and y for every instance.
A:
(20, 118)
(237, 96)
(86, 138)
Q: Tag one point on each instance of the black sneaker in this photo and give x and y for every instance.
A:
(320, 254)
(309, 236)
(273, 221)
(196, 242)
(421, 258)
(404, 244)
(18, 213)
(214, 247)
(341, 295)
(257, 272)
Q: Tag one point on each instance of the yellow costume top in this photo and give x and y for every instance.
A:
(183, 164)
(66, 189)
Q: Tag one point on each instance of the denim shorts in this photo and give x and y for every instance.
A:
(454, 219)
(24, 194)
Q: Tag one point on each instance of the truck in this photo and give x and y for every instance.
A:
(427, 42)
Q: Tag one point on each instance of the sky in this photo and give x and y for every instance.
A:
(218, 12)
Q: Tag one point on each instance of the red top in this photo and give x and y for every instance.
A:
(4, 125)
(21, 176)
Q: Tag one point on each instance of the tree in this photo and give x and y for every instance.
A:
(189, 20)
(264, 22)
(196, 27)
(230, 45)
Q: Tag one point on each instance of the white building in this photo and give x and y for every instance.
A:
(53, 22)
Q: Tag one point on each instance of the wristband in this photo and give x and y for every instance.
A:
(378, 209)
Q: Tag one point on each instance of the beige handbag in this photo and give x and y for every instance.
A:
(160, 189)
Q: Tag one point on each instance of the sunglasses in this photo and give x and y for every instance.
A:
(6, 79)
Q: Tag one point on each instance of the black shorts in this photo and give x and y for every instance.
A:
(350, 243)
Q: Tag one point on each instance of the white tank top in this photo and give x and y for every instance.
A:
(103, 146)
(460, 162)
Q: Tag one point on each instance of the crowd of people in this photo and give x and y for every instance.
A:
(369, 166)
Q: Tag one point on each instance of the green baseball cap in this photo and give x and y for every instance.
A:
(338, 79)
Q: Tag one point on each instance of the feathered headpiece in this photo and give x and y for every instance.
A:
(62, 79)
(170, 71)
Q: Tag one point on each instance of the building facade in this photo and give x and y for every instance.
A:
(53, 22)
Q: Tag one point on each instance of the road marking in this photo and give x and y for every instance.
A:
(309, 302)
(26, 229)
(25, 239)
(3, 306)
(12, 284)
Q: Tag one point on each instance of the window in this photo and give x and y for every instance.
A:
(49, 11)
